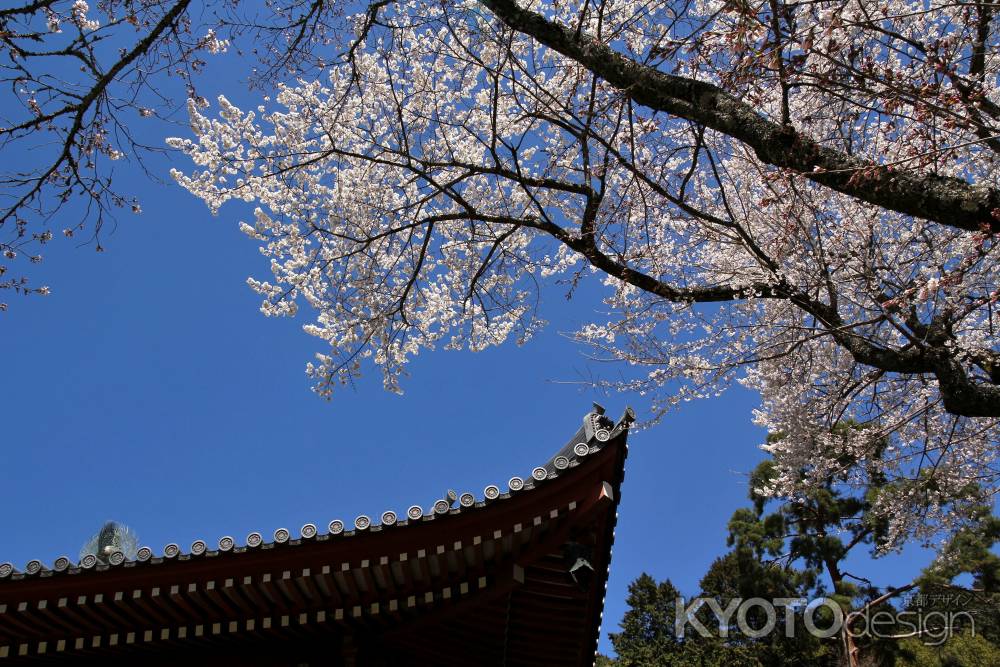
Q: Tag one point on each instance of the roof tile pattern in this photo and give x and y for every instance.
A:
(400, 577)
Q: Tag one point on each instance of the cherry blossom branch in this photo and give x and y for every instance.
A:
(946, 200)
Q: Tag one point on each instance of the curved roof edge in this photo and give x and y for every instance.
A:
(597, 430)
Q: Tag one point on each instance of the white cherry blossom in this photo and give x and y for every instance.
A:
(793, 196)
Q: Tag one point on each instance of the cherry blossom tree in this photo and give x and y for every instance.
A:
(801, 197)
(79, 79)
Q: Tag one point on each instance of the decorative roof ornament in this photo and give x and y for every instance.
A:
(112, 537)
(578, 559)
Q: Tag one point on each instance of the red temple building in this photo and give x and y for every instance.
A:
(514, 577)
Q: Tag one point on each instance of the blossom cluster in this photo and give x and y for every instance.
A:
(419, 193)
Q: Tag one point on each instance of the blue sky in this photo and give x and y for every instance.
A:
(148, 389)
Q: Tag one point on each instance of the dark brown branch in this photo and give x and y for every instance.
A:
(96, 92)
(948, 201)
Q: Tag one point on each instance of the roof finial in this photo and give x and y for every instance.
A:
(113, 537)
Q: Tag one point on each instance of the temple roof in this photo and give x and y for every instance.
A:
(515, 576)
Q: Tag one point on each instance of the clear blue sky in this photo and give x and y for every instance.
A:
(148, 389)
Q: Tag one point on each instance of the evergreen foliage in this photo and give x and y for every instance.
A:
(795, 547)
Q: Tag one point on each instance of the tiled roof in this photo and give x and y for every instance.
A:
(597, 429)
(460, 582)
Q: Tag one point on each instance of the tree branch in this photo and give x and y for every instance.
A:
(945, 200)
